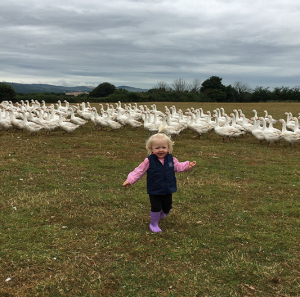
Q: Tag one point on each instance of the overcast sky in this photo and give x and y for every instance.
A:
(141, 42)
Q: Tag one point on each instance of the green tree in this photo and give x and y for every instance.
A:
(230, 94)
(212, 83)
(261, 94)
(103, 90)
(286, 94)
(214, 89)
(7, 92)
(217, 95)
(295, 96)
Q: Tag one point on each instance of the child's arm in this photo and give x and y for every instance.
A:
(192, 164)
(126, 184)
(137, 173)
(183, 166)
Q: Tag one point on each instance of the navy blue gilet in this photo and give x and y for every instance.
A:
(161, 178)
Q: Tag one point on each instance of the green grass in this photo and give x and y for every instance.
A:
(69, 228)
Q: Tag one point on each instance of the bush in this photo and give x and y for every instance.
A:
(103, 90)
(7, 93)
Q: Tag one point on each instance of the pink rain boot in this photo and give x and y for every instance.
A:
(155, 217)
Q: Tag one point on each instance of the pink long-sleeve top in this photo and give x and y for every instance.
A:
(139, 171)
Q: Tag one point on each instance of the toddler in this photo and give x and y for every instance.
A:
(160, 166)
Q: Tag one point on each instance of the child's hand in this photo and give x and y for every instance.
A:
(126, 184)
(192, 164)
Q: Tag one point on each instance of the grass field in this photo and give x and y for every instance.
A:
(69, 228)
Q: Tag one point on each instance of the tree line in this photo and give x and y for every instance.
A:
(210, 90)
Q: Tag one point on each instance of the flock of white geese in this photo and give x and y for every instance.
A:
(36, 116)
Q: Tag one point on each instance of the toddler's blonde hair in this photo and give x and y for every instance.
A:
(159, 135)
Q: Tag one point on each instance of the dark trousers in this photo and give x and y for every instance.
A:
(161, 202)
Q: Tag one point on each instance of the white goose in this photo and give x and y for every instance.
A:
(136, 113)
(17, 124)
(257, 130)
(288, 136)
(245, 123)
(172, 130)
(51, 115)
(132, 122)
(113, 125)
(67, 127)
(156, 118)
(5, 123)
(271, 121)
(226, 132)
(76, 120)
(200, 127)
(97, 119)
(64, 109)
(255, 114)
(155, 111)
(268, 118)
(290, 123)
(32, 117)
(269, 134)
(48, 124)
(297, 129)
(239, 120)
(84, 112)
(174, 121)
(198, 118)
(148, 125)
(174, 113)
(122, 117)
(236, 125)
(239, 132)
(31, 127)
(40, 117)
(222, 119)
(202, 114)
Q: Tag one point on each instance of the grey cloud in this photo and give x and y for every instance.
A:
(142, 42)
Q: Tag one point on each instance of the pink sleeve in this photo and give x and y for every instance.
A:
(138, 172)
(181, 166)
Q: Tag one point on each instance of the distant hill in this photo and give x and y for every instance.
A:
(44, 88)
(132, 89)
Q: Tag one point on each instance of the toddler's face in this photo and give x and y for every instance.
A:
(160, 147)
